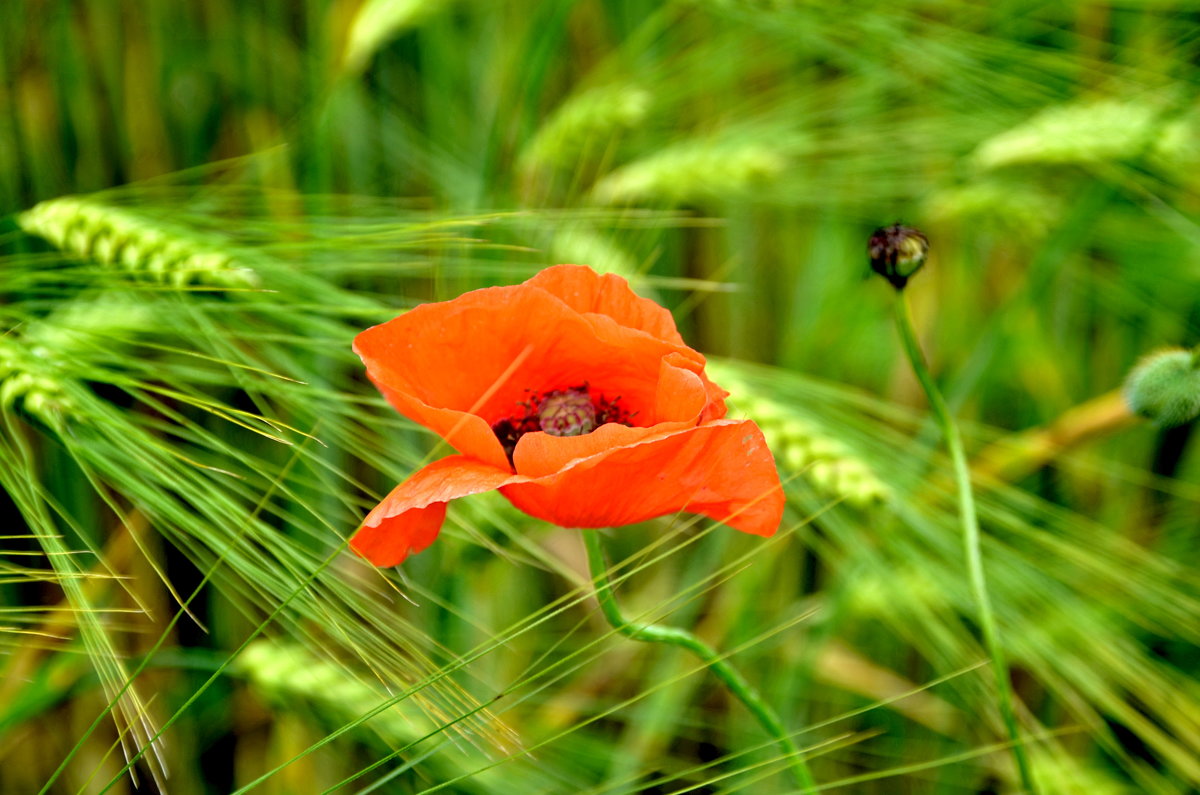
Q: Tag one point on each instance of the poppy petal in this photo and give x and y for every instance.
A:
(411, 515)
(682, 391)
(722, 470)
(464, 431)
(681, 399)
(584, 290)
(493, 346)
(540, 455)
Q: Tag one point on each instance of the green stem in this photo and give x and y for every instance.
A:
(970, 528)
(733, 679)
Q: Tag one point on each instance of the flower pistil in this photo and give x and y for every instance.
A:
(560, 412)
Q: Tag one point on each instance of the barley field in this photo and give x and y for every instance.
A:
(976, 571)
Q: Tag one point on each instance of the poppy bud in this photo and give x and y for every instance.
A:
(897, 252)
(1165, 387)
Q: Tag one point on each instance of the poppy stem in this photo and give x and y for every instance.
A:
(971, 536)
(718, 664)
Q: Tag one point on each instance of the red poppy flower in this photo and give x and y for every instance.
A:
(575, 398)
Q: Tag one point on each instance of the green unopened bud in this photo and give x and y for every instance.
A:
(1165, 387)
(897, 252)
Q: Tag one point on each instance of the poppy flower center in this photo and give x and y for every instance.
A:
(559, 412)
(567, 413)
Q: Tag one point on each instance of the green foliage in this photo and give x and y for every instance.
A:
(206, 203)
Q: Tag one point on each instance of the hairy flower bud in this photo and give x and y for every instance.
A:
(1165, 387)
(897, 252)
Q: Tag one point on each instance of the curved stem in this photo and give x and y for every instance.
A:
(970, 529)
(721, 668)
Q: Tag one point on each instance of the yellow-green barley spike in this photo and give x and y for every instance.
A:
(125, 239)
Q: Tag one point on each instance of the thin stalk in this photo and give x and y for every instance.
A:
(733, 679)
(970, 528)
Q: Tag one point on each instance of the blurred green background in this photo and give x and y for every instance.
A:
(202, 203)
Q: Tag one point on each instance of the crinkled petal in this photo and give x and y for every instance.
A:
(584, 290)
(722, 470)
(409, 518)
(482, 352)
(539, 455)
(685, 393)
(681, 399)
(464, 431)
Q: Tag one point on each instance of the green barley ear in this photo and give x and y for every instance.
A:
(880, 593)
(127, 240)
(287, 674)
(32, 385)
(100, 320)
(1165, 387)
(1013, 207)
(825, 462)
(586, 121)
(601, 252)
(694, 171)
(802, 448)
(43, 362)
(1091, 132)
